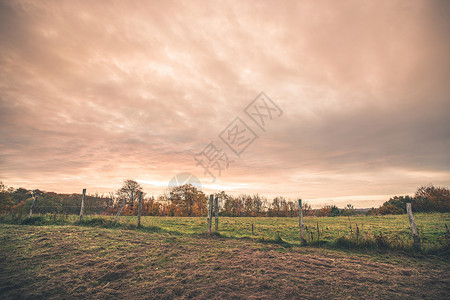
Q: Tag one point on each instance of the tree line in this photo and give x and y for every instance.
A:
(187, 200)
(426, 199)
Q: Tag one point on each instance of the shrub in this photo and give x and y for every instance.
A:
(36, 220)
(390, 209)
(96, 222)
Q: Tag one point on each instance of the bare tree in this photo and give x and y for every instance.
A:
(130, 190)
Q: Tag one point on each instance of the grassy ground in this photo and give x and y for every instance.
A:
(394, 229)
(81, 262)
(368, 232)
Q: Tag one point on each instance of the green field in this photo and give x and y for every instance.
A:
(395, 228)
(390, 231)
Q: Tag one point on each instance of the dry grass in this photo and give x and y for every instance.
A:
(80, 262)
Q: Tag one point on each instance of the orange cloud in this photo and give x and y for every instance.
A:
(95, 92)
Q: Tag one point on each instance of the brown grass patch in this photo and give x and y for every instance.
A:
(61, 262)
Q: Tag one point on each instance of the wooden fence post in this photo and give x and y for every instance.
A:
(131, 203)
(216, 211)
(210, 207)
(139, 210)
(413, 227)
(120, 210)
(300, 221)
(82, 204)
(318, 232)
(32, 205)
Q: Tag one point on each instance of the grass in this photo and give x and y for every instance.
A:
(73, 261)
(391, 232)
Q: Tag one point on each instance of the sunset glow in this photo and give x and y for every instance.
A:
(93, 92)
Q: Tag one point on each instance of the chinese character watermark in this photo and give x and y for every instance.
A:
(261, 110)
(238, 136)
(212, 158)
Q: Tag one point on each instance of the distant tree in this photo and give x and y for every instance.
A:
(20, 195)
(231, 206)
(234, 206)
(293, 208)
(335, 211)
(248, 205)
(394, 206)
(222, 199)
(258, 205)
(324, 211)
(276, 206)
(284, 207)
(389, 209)
(400, 203)
(111, 200)
(6, 201)
(164, 205)
(187, 200)
(151, 207)
(426, 199)
(349, 210)
(431, 198)
(130, 190)
(307, 209)
(372, 211)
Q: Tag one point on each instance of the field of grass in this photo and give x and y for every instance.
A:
(165, 261)
(394, 229)
(367, 232)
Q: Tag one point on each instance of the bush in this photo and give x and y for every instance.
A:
(426, 199)
(36, 220)
(431, 198)
(390, 209)
(351, 243)
(96, 222)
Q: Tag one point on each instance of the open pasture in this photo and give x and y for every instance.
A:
(55, 262)
(394, 230)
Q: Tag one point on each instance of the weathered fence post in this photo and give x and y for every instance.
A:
(216, 212)
(413, 226)
(32, 205)
(350, 225)
(300, 220)
(210, 207)
(131, 203)
(139, 210)
(357, 232)
(318, 232)
(120, 210)
(83, 198)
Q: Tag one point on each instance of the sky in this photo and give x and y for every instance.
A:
(354, 96)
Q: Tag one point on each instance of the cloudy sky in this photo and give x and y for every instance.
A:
(93, 92)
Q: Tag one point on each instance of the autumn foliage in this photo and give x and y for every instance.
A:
(188, 201)
(426, 199)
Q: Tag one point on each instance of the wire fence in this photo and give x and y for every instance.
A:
(162, 205)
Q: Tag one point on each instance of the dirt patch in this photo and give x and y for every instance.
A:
(57, 262)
